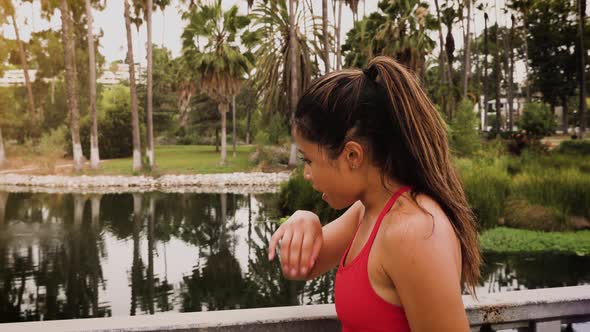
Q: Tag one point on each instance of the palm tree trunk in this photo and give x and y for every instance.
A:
(94, 154)
(223, 108)
(443, 58)
(466, 55)
(338, 37)
(324, 32)
(133, 92)
(485, 71)
(564, 114)
(582, 53)
(2, 152)
(294, 93)
(497, 70)
(511, 75)
(71, 83)
(25, 64)
(233, 111)
(150, 126)
(248, 125)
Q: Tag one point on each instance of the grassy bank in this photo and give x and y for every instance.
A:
(510, 240)
(185, 159)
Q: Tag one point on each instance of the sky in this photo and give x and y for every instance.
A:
(168, 26)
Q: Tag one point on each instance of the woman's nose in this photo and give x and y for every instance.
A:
(307, 173)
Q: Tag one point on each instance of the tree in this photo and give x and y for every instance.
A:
(582, 66)
(94, 153)
(294, 88)
(325, 36)
(133, 88)
(8, 10)
(150, 59)
(71, 82)
(220, 63)
(466, 51)
(270, 40)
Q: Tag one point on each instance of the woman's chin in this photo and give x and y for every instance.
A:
(335, 204)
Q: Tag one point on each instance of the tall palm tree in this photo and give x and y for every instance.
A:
(71, 82)
(294, 89)
(271, 38)
(220, 63)
(133, 91)
(467, 50)
(94, 154)
(2, 152)
(582, 75)
(325, 35)
(149, 114)
(9, 11)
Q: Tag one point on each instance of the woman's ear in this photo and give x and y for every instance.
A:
(354, 154)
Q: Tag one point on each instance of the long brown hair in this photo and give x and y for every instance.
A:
(386, 108)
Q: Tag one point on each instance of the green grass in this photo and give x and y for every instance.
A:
(509, 240)
(184, 159)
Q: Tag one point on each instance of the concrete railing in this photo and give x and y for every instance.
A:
(529, 310)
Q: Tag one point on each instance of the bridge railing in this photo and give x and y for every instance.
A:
(541, 310)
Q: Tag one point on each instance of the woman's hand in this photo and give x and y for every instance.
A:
(300, 239)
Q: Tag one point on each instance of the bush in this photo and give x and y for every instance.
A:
(266, 156)
(537, 120)
(114, 124)
(567, 190)
(520, 141)
(574, 147)
(519, 213)
(487, 186)
(464, 136)
(298, 194)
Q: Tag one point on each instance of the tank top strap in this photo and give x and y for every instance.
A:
(385, 210)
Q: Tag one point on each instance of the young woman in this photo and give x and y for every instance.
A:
(373, 142)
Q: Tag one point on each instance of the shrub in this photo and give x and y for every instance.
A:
(537, 120)
(575, 147)
(298, 194)
(519, 213)
(464, 136)
(114, 124)
(567, 190)
(266, 156)
(487, 186)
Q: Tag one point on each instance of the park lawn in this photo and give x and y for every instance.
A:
(511, 240)
(184, 159)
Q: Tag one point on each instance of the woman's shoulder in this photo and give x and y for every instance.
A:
(419, 229)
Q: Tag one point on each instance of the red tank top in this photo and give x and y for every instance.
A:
(358, 306)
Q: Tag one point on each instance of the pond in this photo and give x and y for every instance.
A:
(65, 256)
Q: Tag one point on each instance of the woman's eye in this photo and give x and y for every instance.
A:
(305, 160)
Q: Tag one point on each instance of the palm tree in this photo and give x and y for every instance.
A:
(133, 92)
(150, 48)
(2, 152)
(94, 154)
(220, 63)
(9, 11)
(71, 82)
(326, 53)
(467, 50)
(582, 75)
(294, 88)
(273, 75)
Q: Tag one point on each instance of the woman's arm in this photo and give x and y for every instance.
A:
(309, 250)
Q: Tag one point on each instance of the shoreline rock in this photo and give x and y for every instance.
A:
(210, 183)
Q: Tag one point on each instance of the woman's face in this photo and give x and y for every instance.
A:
(340, 187)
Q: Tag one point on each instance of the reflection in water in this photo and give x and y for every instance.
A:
(72, 256)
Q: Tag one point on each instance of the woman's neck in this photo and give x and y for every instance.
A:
(377, 193)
